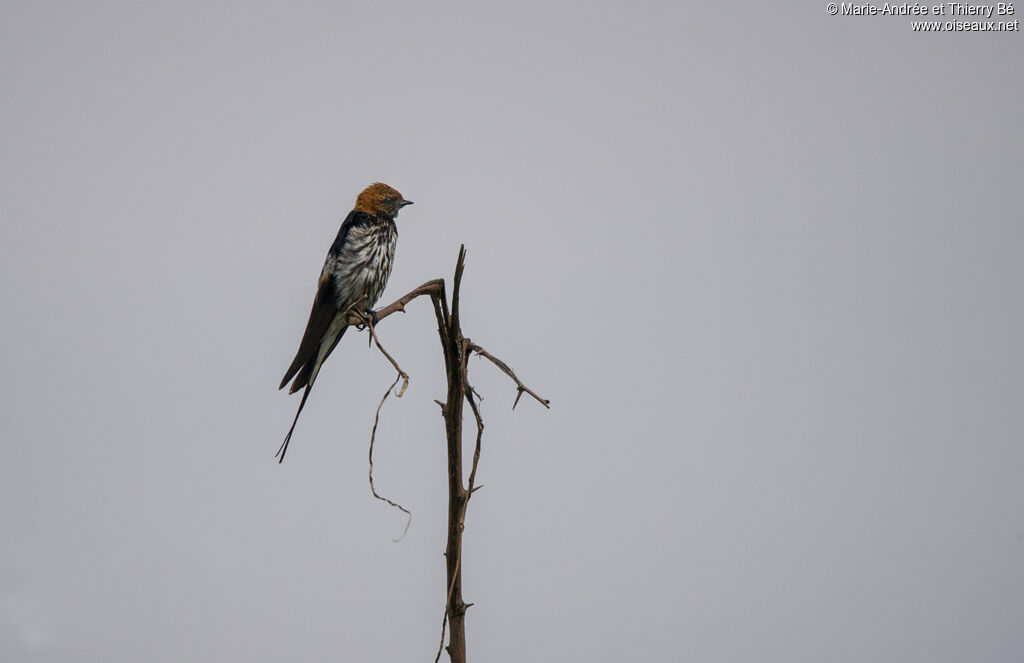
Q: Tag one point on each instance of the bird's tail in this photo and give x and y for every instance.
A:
(284, 445)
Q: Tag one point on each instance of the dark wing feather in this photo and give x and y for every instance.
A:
(320, 317)
(322, 313)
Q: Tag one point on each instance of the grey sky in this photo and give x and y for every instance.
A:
(765, 262)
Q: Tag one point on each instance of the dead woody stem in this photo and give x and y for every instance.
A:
(456, 350)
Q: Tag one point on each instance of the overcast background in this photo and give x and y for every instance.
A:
(765, 262)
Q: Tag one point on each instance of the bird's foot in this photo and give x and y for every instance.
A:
(370, 318)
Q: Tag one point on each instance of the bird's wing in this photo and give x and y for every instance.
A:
(320, 317)
(324, 309)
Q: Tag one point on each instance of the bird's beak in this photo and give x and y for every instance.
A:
(405, 202)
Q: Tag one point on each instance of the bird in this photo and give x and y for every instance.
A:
(353, 278)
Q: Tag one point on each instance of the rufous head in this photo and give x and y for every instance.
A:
(380, 200)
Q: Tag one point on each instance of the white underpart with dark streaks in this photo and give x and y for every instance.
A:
(363, 268)
(360, 274)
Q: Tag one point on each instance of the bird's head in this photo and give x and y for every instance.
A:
(380, 200)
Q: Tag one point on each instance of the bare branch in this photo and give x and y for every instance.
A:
(444, 308)
(368, 321)
(457, 349)
(404, 377)
(470, 489)
(520, 387)
(476, 451)
(460, 265)
(434, 288)
(373, 437)
(444, 620)
(442, 328)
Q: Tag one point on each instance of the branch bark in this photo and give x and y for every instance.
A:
(455, 368)
(456, 350)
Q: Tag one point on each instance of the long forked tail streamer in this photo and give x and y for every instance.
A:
(284, 445)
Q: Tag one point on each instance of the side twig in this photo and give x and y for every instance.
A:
(470, 391)
(520, 387)
(373, 437)
(367, 321)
